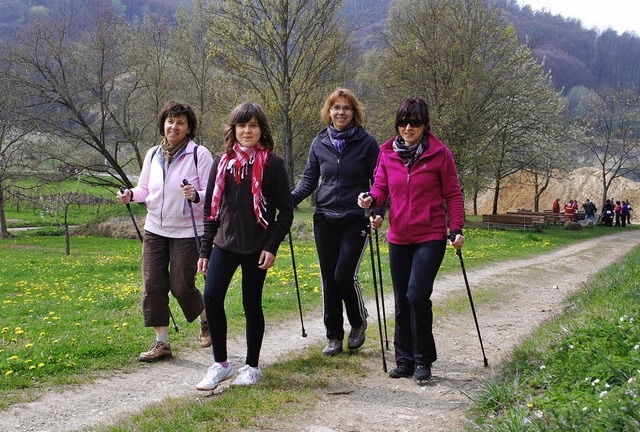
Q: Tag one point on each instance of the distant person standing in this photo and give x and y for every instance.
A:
(607, 213)
(629, 209)
(618, 212)
(589, 211)
(568, 211)
(555, 208)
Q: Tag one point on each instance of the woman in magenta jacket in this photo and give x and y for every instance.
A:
(417, 173)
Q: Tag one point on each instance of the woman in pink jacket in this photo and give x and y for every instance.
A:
(169, 252)
(418, 175)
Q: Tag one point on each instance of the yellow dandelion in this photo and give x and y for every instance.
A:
(9, 372)
(32, 367)
(40, 365)
(55, 341)
(29, 345)
(5, 329)
(13, 357)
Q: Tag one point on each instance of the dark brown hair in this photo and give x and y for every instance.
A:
(413, 108)
(358, 111)
(174, 108)
(242, 114)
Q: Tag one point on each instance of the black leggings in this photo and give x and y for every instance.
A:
(222, 266)
(413, 270)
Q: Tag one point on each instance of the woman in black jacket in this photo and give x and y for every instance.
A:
(342, 158)
(248, 212)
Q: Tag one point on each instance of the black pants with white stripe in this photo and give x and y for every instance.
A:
(341, 243)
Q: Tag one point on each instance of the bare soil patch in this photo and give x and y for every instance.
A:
(532, 291)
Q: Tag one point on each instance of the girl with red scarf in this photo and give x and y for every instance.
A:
(248, 212)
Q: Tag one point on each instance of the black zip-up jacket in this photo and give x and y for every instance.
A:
(343, 177)
(237, 230)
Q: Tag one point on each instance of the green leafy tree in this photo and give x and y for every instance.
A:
(285, 53)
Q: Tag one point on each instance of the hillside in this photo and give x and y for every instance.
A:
(581, 184)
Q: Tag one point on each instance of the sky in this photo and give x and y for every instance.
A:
(620, 15)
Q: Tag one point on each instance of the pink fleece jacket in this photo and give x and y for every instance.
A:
(416, 213)
(168, 213)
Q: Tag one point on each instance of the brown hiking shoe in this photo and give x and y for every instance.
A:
(205, 337)
(158, 351)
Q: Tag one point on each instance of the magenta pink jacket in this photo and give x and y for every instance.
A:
(416, 213)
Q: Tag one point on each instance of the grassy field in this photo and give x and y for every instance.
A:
(70, 319)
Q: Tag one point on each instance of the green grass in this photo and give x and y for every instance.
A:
(93, 203)
(55, 308)
(579, 371)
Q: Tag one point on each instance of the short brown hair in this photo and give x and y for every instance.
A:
(413, 108)
(175, 108)
(358, 110)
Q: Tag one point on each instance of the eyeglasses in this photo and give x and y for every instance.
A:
(338, 108)
(413, 122)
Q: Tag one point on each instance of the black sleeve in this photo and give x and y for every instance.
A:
(284, 206)
(210, 226)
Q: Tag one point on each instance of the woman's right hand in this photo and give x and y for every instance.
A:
(124, 196)
(365, 200)
(203, 265)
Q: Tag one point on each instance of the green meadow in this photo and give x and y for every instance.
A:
(66, 320)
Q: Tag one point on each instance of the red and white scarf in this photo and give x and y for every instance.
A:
(238, 165)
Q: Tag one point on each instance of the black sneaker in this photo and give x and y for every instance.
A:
(422, 373)
(402, 371)
(334, 347)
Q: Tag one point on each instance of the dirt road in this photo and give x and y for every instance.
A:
(532, 290)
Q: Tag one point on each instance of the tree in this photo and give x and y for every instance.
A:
(81, 91)
(611, 122)
(285, 53)
(490, 100)
(17, 152)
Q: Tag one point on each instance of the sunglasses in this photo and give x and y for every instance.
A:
(413, 122)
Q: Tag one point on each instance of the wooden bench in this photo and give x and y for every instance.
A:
(513, 220)
(549, 218)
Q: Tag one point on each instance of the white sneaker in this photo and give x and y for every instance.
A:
(214, 376)
(247, 375)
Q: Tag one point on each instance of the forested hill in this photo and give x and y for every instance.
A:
(577, 56)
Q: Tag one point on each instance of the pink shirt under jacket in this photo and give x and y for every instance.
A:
(416, 213)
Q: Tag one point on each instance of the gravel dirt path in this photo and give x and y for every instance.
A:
(532, 291)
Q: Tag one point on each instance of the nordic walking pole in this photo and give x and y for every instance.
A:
(452, 237)
(384, 314)
(193, 220)
(133, 219)
(367, 213)
(295, 277)
(135, 225)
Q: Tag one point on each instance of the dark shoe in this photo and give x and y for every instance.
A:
(205, 337)
(402, 371)
(422, 373)
(158, 351)
(356, 337)
(334, 347)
